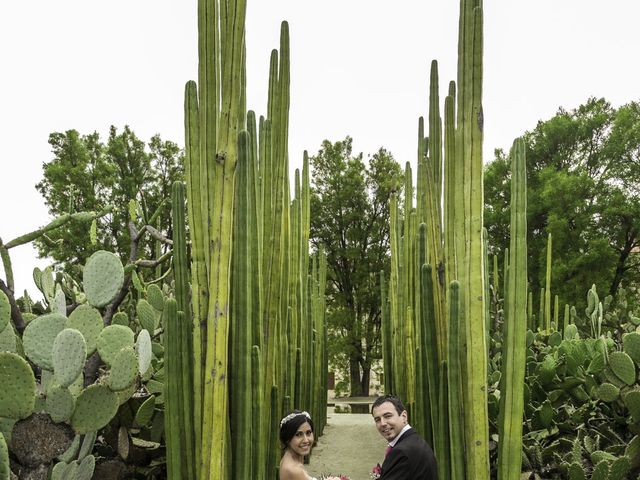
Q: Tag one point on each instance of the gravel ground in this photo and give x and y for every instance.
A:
(351, 445)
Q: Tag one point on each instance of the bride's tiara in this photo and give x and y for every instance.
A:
(291, 416)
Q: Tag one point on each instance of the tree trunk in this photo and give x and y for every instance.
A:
(364, 384)
(621, 266)
(354, 376)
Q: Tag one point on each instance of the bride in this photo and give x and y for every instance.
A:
(296, 436)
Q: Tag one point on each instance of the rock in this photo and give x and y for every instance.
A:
(113, 469)
(41, 472)
(37, 440)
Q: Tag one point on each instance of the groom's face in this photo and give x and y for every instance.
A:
(388, 422)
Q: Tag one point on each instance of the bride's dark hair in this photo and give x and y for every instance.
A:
(290, 423)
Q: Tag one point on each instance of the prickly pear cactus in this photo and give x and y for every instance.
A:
(111, 340)
(8, 340)
(623, 367)
(60, 403)
(4, 459)
(124, 369)
(146, 315)
(144, 351)
(155, 297)
(5, 311)
(102, 278)
(88, 321)
(69, 355)
(86, 468)
(17, 387)
(39, 336)
(95, 407)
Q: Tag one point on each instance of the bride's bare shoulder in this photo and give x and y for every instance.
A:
(292, 471)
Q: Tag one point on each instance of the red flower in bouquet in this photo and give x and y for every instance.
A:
(376, 472)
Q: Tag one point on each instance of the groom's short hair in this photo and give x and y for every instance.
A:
(395, 401)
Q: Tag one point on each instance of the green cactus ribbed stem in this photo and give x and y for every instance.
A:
(456, 414)
(566, 319)
(242, 314)
(435, 136)
(515, 326)
(197, 230)
(532, 322)
(435, 258)
(442, 438)
(397, 331)
(469, 251)
(547, 294)
(385, 325)
(257, 432)
(556, 312)
(185, 338)
(430, 343)
(542, 322)
(173, 391)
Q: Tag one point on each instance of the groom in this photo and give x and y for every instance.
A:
(408, 456)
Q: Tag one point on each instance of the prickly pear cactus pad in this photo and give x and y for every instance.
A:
(623, 367)
(85, 470)
(69, 355)
(17, 386)
(102, 278)
(89, 321)
(39, 336)
(95, 407)
(8, 340)
(144, 351)
(123, 369)
(146, 315)
(4, 459)
(631, 345)
(60, 403)
(155, 297)
(112, 339)
(5, 311)
(120, 318)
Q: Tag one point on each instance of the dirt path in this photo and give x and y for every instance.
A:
(351, 445)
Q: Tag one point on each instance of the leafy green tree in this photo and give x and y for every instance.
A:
(583, 169)
(350, 221)
(86, 174)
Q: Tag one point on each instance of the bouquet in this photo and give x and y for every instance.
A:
(376, 472)
(334, 477)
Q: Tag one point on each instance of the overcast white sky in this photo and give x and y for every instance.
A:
(358, 67)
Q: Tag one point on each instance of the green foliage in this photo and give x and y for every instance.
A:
(86, 174)
(350, 221)
(582, 398)
(583, 184)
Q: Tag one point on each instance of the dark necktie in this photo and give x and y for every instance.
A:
(386, 452)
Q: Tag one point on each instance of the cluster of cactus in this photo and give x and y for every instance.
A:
(257, 311)
(437, 282)
(582, 395)
(61, 345)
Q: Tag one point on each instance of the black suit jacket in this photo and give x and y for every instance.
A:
(410, 459)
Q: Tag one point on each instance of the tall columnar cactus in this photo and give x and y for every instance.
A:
(250, 258)
(450, 246)
(515, 326)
